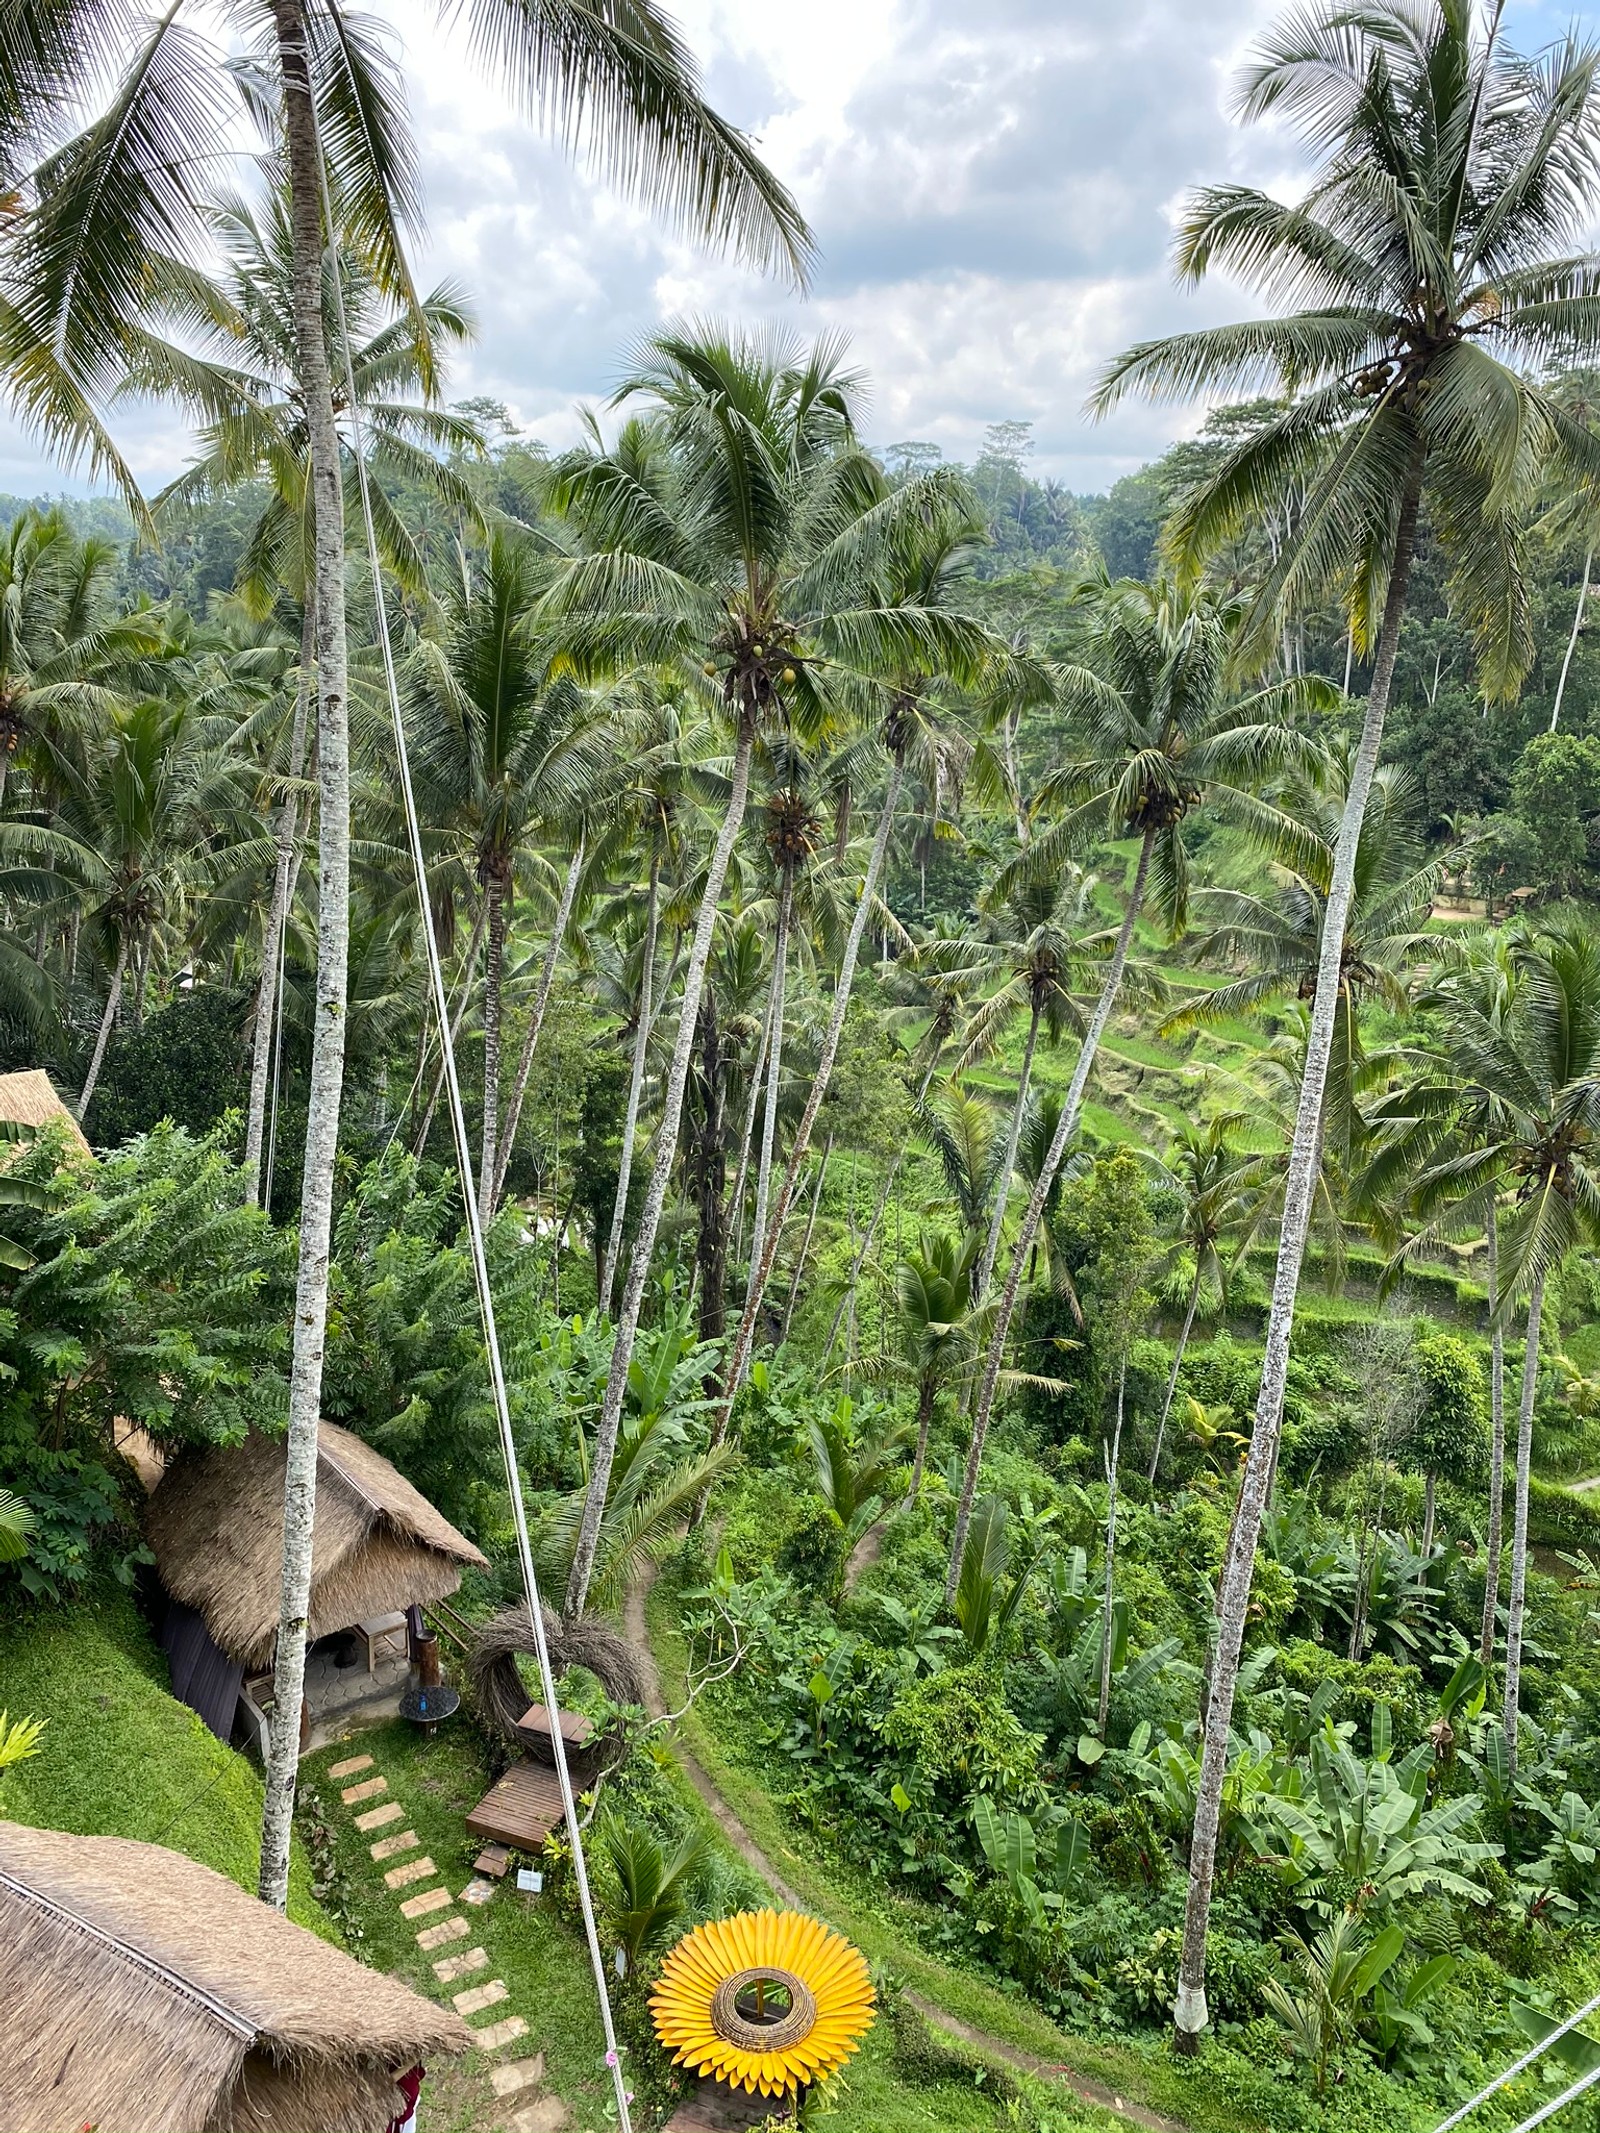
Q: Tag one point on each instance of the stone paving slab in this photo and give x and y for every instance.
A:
(455, 1966)
(401, 1877)
(376, 1817)
(420, 1906)
(516, 2074)
(477, 1997)
(477, 1892)
(368, 1789)
(387, 1847)
(546, 2114)
(436, 1936)
(499, 2034)
(348, 1769)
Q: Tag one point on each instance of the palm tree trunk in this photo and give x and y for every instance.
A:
(865, 1246)
(1572, 641)
(103, 1038)
(745, 1339)
(1177, 1365)
(304, 156)
(547, 979)
(277, 919)
(1190, 2013)
(630, 1124)
(468, 967)
(494, 968)
(925, 1400)
(769, 1118)
(1430, 1494)
(1113, 1460)
(1002, 1193)
(1497, 1452)
(644, 1243)
(705, 1162)
(805, 1244)
(748, 1132)
(1511, 1703)
(1066, 1127)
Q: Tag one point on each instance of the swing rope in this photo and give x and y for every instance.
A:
(458, 1123)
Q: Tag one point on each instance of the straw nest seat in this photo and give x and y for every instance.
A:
(501, 1695)
(142, 1989)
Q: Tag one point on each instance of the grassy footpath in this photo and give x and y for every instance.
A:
(121, 1757)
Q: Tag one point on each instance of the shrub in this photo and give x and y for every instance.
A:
(960, 1734)
(1361, 1685)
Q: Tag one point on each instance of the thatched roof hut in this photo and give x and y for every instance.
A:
(29, 1099)
(142, 1989)
(215, 1525)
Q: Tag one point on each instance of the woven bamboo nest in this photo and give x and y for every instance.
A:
(502, 1695)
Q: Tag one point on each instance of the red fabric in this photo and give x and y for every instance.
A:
(410, 2087)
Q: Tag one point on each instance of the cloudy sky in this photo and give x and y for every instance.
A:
(992, 184)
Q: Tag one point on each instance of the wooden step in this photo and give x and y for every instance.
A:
(520, 1810)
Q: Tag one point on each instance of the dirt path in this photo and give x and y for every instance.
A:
(636, 1624)
(865, 1553)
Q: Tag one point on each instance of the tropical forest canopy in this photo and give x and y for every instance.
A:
(1030, 1062)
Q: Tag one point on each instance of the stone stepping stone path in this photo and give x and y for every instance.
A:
(477, 1997)
(436, 1936)
(518, 2083)
(401, 1877)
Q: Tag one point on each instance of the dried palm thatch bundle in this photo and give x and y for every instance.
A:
(502, 1696)
(216, 1526)
(141, 1988)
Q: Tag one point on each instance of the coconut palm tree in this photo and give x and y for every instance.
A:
(1529, 1070)
(104, 215)
(934, 1292)
(160, 810)
(242, 387)
(1160, 732)
(912, 642)
(740, 529)
(1217, 1183)
(61, 645)
(1433, 262)
(507, 753)
(1031, 935)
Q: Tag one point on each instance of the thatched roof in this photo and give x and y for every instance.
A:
(30, 1099)
(144, 1990)
(216, 1527)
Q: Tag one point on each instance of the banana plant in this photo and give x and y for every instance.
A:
(1039, 1877)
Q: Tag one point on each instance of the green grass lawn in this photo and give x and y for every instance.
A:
(120, 1756)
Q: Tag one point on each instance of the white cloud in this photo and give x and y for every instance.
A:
(992, 189)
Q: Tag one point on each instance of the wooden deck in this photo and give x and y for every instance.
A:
(521, 1809)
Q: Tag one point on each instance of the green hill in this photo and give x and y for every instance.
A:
(120, 1756)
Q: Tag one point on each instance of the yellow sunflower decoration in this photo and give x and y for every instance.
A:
(767, 2000)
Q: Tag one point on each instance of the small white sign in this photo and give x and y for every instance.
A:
(530, 1881)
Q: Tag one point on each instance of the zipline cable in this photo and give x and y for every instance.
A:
(458, 1122)
(1559, 2103)
(1520, 2066)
